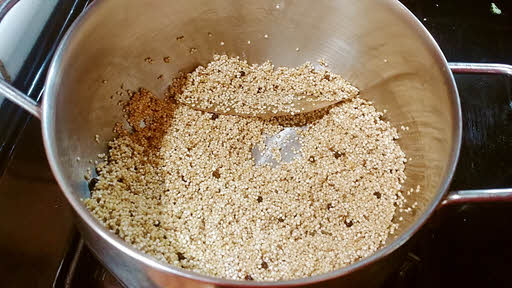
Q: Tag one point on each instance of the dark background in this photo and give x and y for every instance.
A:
(470, 245)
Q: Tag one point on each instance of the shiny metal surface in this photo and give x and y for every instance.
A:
(6, 6)
(19, 98)
(480, 68)
(479, 196)
(287, 141)
(376, 44)
(21, 25)
(30, 32)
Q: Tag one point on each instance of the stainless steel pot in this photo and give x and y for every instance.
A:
(376, 44)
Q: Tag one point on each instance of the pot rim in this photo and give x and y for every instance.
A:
(80, 209)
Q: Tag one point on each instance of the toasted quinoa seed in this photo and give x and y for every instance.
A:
(228, 84)
(185, 189)
(322, 62)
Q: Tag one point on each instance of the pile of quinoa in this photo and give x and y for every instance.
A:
(182, 186)
(232, 85)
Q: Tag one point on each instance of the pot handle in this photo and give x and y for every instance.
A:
(19, 98)
(480, 68)
(477, 196)
(480, 195)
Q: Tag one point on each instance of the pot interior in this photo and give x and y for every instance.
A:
(376, 45)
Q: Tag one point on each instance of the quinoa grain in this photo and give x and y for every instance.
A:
(315, 214)
(261, 88)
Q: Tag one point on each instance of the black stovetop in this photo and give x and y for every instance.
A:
(460, 246)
